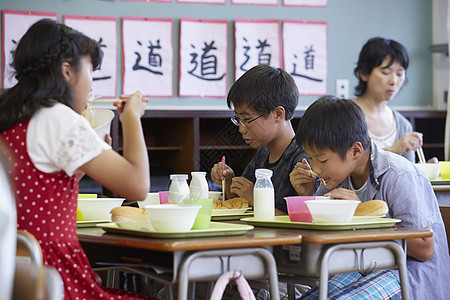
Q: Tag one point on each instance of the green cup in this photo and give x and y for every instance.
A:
(204, 214)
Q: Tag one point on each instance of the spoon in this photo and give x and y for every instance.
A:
(322, 181)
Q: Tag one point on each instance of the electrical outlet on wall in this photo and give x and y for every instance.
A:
(342, 88)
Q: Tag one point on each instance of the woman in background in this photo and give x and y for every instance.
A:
(381, 71)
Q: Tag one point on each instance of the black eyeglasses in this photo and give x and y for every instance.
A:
(246, 122)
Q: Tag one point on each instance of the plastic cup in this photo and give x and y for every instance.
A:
(445, 169)
(204, 214)
(163, 197)
(297, 209)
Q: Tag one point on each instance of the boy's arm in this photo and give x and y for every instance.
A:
(421, 249)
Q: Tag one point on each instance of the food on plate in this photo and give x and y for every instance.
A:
(234, 203)
(129, 214)
(372, 208)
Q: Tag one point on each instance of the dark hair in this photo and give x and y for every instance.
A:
(372, 55)
(263, 88)
(37, 64)
(333, 124)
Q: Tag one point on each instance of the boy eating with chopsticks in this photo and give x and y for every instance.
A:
(335, 138)
(264, 99)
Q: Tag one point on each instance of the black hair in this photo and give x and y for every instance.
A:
(37, 63)
(333, 124)
(263, 88)
(372, 55)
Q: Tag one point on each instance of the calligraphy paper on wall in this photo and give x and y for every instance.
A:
(310, 3)
(147, 1)
(202, 1)
(203, 58)
(104, 31)
(305, 55)
(257, 42)
(254, 2)
(147, 56)
(15, 24)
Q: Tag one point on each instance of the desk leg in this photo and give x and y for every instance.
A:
(399, 254)
(265, 255)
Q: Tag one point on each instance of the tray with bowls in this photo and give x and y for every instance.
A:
(146, 229)
(355, 223)
(227, 216)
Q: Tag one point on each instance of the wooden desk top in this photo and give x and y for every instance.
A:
(260, 236)
(441, 188)
(252, 238)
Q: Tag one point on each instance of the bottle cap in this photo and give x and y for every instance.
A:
(263, 173)
(178, 177)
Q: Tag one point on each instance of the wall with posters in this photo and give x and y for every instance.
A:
(349, 24)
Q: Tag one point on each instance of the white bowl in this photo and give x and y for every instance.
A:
(431, 170)
(94, 209)
(332, 211)
(214, 195)
(101, 121)
(172, 217)
(151, 199)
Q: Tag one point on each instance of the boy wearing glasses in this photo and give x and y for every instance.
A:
(335, 137)
(264, 99)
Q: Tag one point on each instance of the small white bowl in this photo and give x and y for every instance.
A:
(431, 170)
(151, 199)
(332, 211)
(101, 121)
(172, 217)
(94, 209)
(214, 195)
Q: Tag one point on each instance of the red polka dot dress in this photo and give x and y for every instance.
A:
(47, 207)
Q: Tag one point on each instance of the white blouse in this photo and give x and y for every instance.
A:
(60, 139)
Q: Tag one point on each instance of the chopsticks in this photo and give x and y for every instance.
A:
(421, 155)
(223, 181)
(104, 100)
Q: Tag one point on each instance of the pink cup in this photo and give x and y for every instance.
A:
(297, 209)
(163, 197)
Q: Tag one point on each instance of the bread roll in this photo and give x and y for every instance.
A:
(234, 203)
(372, 208)
(129, 214)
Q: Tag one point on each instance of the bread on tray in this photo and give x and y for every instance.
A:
(372, 208)
(129, 214)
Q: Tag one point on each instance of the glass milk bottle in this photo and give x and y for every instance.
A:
(179, 189)
(263, 195)
(199, 186)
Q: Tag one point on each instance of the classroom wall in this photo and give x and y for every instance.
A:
(350, 24)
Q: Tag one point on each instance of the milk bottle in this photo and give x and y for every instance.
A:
(264, 195)
(199, 186)
(179, 189)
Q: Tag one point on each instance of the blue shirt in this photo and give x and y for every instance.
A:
(410, 198)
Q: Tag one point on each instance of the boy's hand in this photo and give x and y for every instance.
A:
(243, 187)
(218, 174)
(342, 193)
(302, 180)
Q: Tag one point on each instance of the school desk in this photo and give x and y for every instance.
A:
(202, 259)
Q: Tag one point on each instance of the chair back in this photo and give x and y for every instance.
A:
(8, 229)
